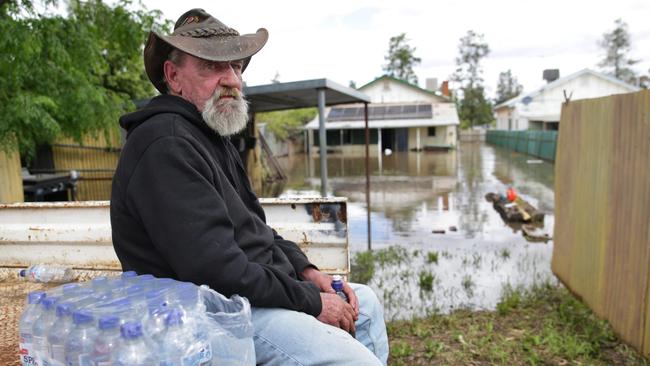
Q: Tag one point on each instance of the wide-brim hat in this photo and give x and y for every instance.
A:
(201, 35)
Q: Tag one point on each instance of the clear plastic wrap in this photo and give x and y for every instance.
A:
(137, 320)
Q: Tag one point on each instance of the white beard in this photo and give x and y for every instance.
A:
(228, 116)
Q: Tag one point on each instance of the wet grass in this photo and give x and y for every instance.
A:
(363, 264)
(545, 325)
(426, 281)
(432, 257)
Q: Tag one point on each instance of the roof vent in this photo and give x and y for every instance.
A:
(551, 75)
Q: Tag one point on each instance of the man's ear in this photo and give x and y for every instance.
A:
(171, 76)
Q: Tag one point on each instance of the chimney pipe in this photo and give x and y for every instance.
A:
(551, 75)
(444, 88)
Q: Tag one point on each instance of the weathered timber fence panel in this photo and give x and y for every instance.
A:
(541, 144)
(95, 159)
(602, 210)
(11, 181)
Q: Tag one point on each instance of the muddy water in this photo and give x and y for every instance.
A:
(415, 197)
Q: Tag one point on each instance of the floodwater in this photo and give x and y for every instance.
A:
(438, 244)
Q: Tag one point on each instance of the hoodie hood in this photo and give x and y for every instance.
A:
(163, 104)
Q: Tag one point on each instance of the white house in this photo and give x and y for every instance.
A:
(401, 117)
(540, 110)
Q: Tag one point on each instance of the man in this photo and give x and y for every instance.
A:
(182, 206)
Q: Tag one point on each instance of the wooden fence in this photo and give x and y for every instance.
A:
(602, 210)
(11, 182)
(541, 144)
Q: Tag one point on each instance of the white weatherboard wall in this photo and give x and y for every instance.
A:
(546, 103)
(390, 91)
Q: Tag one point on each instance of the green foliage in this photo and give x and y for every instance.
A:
(362, 268)
(617, 45)
(432, 257)
(287, 124)
(507, 88)
(426, 281)
(473, 107)
(401, 59)
(69, 76)
(401, 349)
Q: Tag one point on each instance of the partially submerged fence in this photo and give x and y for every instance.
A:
(602, 210)
(541, 144)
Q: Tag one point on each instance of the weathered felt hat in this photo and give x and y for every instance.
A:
(200, 34)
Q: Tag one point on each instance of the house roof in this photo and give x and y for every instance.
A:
(406, 83)
(560, 81)
(424, 115)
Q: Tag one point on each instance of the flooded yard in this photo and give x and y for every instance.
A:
(437, 244)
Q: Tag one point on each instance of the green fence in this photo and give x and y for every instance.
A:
(536, 143)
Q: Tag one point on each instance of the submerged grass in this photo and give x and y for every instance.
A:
(542, 326)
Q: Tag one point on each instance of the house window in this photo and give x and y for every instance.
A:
(431, 131)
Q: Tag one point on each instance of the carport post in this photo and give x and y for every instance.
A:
(322, 142)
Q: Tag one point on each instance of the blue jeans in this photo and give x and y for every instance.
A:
(285, 337)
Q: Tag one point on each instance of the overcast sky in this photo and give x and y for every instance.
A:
(347, 40)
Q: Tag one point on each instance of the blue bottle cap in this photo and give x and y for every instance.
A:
(63, 309)
(82, 317)
(22, 273)
(109, 322)
(174, 317)
(129, 274)
(49, 302)
(35, 297)
(131, 330)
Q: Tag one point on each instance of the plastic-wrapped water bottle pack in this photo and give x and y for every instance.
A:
(134, 320)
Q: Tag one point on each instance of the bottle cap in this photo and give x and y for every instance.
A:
(81, 317)
(129, 274)
(100, 281)
(49, 302)
(131, 330)
(109, 322)
(63, 309)
(22, 273)
(35, 297)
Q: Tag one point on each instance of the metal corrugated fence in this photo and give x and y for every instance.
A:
(95, 160)
(536, 143)
(11, 184)
(602, 210)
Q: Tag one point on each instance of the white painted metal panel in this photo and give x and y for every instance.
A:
(78, 234)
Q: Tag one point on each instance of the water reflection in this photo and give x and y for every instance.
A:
(417, 200)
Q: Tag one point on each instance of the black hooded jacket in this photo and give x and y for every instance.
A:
(182, 207)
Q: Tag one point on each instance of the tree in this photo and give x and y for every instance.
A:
(401, 59)
(507, 88)
(287, 124)
(70, 75)
(473, 107)
(352, 84)
(617, 45)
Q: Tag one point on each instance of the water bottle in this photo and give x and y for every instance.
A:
(48, 273)
(337, 285)
(130, 277)
(30, 314)
(107, 340)
(79, 346)
(58, 334)
(132, 350)
(41, 327)
(147, 281)
(180, 345)
(100, 284)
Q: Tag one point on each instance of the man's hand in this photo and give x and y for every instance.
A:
(324, 283)
(337, 312)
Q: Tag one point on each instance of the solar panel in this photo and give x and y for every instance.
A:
(381, 112)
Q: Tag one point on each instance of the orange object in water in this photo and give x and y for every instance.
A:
(511, 195)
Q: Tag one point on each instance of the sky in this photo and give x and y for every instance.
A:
(347, 40)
